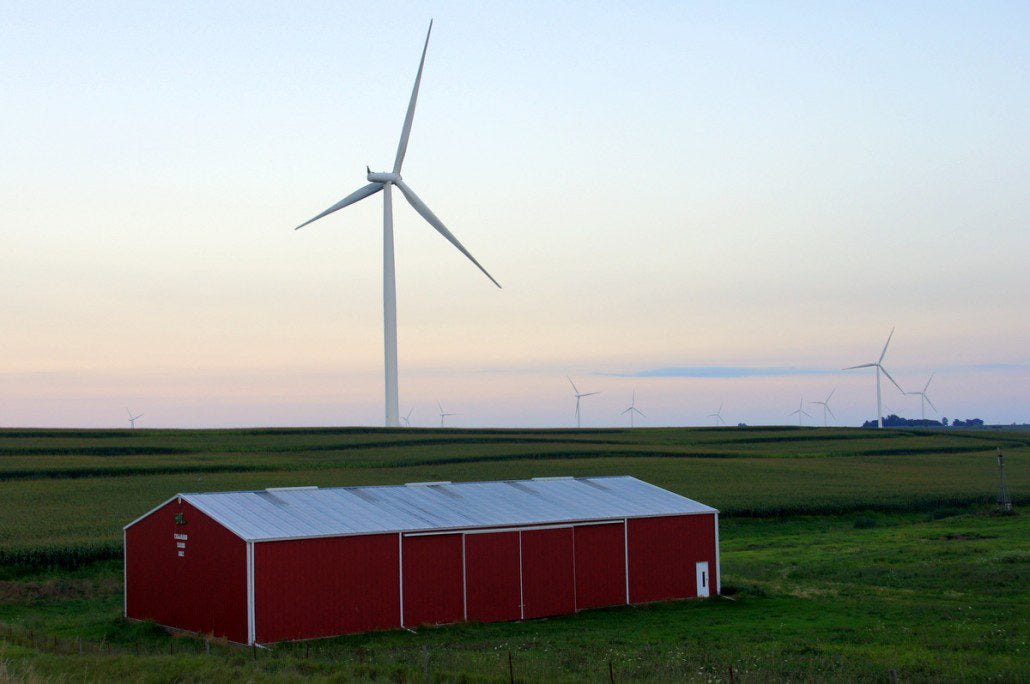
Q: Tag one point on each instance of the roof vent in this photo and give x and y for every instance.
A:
(427, 484)
(288, 489)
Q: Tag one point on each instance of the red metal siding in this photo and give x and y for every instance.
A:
(548, 573)
(320, 587)
(492, 576)
(600, 566)
(204, 590)
(433, 591)
(663, 553)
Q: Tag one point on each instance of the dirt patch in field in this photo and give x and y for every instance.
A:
(964, 536)
(56, 590)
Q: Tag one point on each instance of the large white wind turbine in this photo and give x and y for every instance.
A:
(632, 409)
(443, 414)
(133, 419)
(579, 395)
(924, 398)
(878, 365)
(825, 403)
(800, 412)
(385, 181)
(718, 416)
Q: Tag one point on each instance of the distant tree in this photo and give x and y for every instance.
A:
(944, 422)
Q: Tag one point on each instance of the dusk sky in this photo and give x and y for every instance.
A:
(703, 202)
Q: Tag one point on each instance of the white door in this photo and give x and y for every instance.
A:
(703, 579)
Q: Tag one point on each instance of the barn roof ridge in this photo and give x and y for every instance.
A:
(309, 512)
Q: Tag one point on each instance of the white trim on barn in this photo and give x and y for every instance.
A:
(718, 565)
(251, 611)
(625, 548)
(400, 572)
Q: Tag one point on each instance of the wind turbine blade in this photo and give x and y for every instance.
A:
(429, 216)
(576, 391)
(890, 378)
(830, 395)
(829, 410)
(402, 147)
(141, 415)
(130, 413)
(928, 383)
(864, 365)
(806, 413)
(589, 394)
(930, 403)
(625, 411)
(357, 195)
(884, 352)
(640, 413)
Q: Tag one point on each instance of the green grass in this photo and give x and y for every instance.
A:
(848, 553)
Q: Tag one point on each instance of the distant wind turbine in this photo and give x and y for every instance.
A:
(443, 414)
(579, 395)
(133, 419)
(407, 418)
(924, 398)
(826, 406)
(800, 412)
(632, 409)
(878, 365)
(385, 181)
(718, 416)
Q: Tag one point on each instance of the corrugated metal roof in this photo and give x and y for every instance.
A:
(291, 513)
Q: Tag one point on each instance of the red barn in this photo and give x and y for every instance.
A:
(307, 562)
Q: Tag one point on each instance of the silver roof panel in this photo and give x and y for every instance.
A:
(296, 513)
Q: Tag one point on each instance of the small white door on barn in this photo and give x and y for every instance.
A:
(702, 579)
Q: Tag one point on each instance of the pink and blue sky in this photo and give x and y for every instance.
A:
(703, 202)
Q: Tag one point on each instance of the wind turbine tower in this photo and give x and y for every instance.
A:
(878, 365)
(579, 395)
(385, 181)
(924, 398)
(632, 409)
(800, 412)
(443, 414)
(133, 419)
(825, 403)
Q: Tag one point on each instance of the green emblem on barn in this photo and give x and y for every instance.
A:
(180, 519)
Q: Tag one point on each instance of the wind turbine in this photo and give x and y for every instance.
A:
(133, 419)
(579, 395)
(718, 416)
(385, 181)
(924, 399)
(442, 414)
(800, 412)
(407, 418)
(632, 408)
(878, 365)
(826, 406)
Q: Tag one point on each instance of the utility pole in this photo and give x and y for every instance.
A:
(1004, 502)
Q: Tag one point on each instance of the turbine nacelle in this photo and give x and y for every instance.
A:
(382, 177)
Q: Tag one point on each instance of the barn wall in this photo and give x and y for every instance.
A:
(433, 580)
(321, 587)
(663, 553)
(204, 590)
(600, 552)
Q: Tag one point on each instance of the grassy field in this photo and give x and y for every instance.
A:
(846, 554)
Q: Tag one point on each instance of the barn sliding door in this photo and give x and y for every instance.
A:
(548, 572)
(492, 576)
